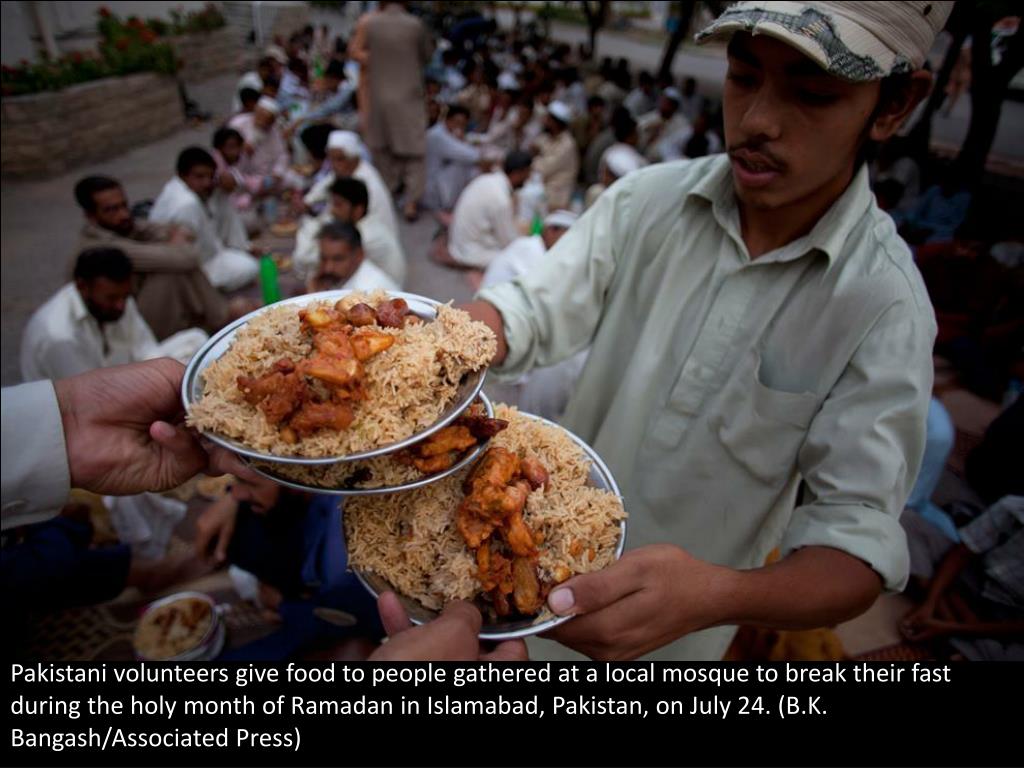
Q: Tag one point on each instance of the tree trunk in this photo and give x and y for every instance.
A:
(988, 90)
(686, 9)
(596, 18)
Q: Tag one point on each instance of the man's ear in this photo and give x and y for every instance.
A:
(899, 105)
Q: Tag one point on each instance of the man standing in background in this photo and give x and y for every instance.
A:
(397, 44)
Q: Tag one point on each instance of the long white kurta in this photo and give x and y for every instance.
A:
(227, 266)
(380, 245)
(483, 223)
(63, 339)
(543, 391)
(381, 206)
(451, 165)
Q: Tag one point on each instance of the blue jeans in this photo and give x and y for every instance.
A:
(938, 444)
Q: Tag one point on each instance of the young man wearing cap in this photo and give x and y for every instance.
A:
(557, 156)
(619, 160)
(760, 364)
(264, 161)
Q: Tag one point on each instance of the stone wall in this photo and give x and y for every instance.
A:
(207, 54)
(45, 134)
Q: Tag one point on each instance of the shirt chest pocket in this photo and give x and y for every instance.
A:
(762, 428)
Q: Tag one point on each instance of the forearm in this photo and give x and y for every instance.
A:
(163, 257)
(487, 313)
(949, 569)
(812, 587)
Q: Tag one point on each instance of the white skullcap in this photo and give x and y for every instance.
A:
(622, 159)
(345, 141)
(560, 111)
(563, 219)
(673, 93)
(277, 53)
(269, 104)
(507, 82)
(856, 41)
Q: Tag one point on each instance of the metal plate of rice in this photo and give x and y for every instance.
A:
(386, 474)
(409, 543)
(417, 387)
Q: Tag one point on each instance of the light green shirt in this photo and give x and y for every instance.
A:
(718, 387)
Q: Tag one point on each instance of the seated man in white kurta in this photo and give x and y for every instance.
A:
(186, 200)
(93, 322)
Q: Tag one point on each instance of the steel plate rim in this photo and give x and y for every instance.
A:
(195, 367)
(469, 458)
(550, 623)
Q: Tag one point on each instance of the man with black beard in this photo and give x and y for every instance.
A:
(93, 322)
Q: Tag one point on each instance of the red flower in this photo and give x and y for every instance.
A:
(147, 35)
(77, 57)
(121, 43)
(104, 12)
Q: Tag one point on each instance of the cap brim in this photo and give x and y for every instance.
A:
(852, 67)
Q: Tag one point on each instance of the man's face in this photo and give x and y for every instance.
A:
(263, 118)
(551, 235)
(552, 126)
(338, 262)
(791, 129)
(200, 180)
(105, 298)
(596, 111)
(457, 125)
(518, 178)
(343, 210)
(231, 150)
(262, 495)
(666, 107)
(342, 164)
(112, 212)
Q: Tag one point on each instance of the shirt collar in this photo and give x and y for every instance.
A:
(79, 311)
(828, 235)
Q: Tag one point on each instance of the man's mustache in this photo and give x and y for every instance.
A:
(755, 151)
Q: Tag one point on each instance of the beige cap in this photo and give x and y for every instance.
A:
(857, 41)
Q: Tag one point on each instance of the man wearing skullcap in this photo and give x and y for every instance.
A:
(265, 155)
(557, 156)
(345, 152)
(761, 341)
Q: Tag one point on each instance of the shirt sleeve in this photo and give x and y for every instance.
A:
(993, 526)
(863, 449)
(144, 344)
(456, 151)
(35, 473)
(552, 312)
(332, 105)
(62, 359)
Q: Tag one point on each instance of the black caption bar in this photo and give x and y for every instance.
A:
(471, 714)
